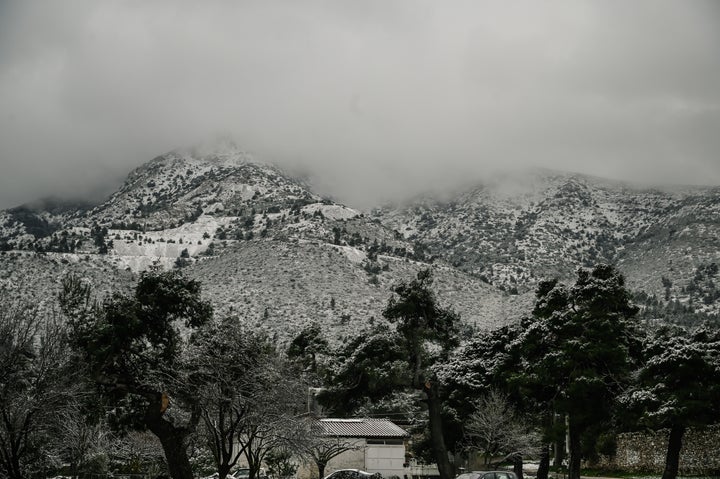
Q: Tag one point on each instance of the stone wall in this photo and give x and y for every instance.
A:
(637, 451)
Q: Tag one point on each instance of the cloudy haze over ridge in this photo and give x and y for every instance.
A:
(376, 95)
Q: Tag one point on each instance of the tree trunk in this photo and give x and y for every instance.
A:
(223, 470)
(518, 467)
(172, 438)
(558, 444)
(321, 469)
(173, 443)
(575, 450)
(672, 459)
(544, 467)
(437, 437)
(10, 460)
(11, 465)
(10, 450)
(175, 449)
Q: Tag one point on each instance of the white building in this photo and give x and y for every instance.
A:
(379, 445)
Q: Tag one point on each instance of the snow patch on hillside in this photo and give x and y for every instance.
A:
(137, 264)
(332, 212)
(353, 254)
(168, 243)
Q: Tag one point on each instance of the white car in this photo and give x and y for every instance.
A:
(244, 473)
(216, 475)
(487, 475)
(353, 474)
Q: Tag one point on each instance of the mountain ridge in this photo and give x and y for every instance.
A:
(209, 210)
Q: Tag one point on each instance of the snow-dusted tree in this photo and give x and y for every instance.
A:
(138, 452)
(229, 370)
(576, 350)
(275, 420)
(307, 346)
(428, 333)
(79, 442)
(281, 463)
(385, 361)
(679, 385)
(368, 366)
(486, 362)
(36, 383)
(496, 429)
(132, 346)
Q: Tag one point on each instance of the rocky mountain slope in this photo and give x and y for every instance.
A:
(271, 251)
(266, 248)
(517, 229)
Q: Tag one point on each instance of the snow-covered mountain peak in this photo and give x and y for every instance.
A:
(213, 204)
(184, 183)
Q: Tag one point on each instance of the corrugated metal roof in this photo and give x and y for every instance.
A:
(361, 428)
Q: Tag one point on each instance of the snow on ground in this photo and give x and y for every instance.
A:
(332, 212)
(137, 264)
(195, 237)
(353, 254)
(408, 231)
(137, 250)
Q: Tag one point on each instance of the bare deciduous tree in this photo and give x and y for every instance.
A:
(248, 395)
(495, 429)
(224, 359)
(275, 419)
(322, 447)
(142, 452)
(35, 384)
(78, 441)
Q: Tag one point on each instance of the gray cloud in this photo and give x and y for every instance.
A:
(383, 98)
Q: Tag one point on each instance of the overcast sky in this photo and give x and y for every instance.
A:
(376, 95)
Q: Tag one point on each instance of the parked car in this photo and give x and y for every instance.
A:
(487, 475)
(244, 473)
(215, 475)
(353, 474)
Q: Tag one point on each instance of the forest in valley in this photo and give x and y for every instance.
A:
(154, 383)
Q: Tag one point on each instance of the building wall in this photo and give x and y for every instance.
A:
(353, 459)
(388, 460)
(700, 453)
(419, 470)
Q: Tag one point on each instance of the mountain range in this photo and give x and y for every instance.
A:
(270, 250)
